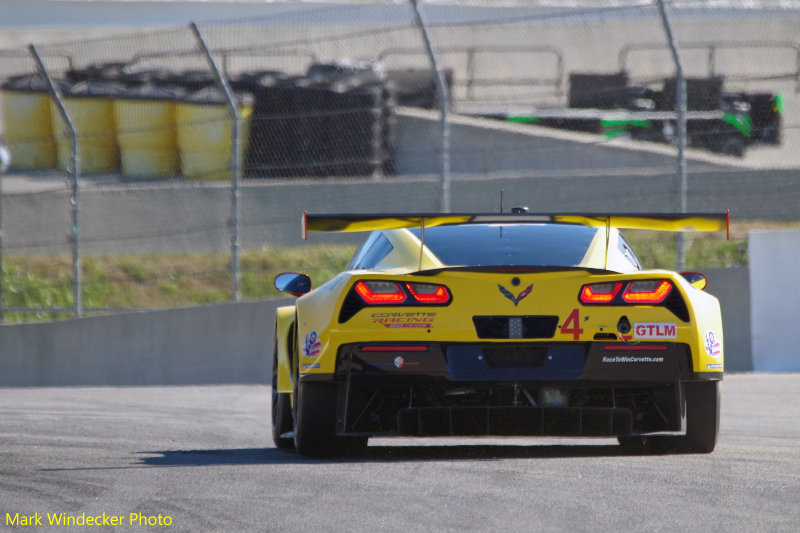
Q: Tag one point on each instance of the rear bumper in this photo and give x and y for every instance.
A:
(518, 362)
(511, 389)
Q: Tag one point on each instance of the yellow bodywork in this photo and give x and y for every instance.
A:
(319, 333)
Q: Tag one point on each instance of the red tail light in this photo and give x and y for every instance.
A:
(429, 293)
(380, 292)
(600, 293)
(651, 291)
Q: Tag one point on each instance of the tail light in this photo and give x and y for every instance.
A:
(600, 293)
(429, 293)
(649, 292)
(372, 292)
(380, 292)
(639, 292)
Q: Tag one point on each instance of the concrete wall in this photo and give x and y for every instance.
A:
(732, 287)
(226, 343)
(774, 293)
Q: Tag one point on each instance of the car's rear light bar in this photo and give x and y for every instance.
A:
(380, 292)
(600, 293)
(638, 292)
(429, 293)
(390, 293)
(651, 292)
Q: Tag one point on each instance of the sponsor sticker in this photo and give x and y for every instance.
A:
(712, 345)
(713, 366)
(312, 345)
(404, 320)
(655, 330)
(637, 359)
(310, 365)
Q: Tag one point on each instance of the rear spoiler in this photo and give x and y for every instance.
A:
(659, 222)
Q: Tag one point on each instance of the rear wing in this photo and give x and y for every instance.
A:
(682, 222)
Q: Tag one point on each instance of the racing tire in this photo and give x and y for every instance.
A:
(702, 424)
(315, 424)
(281, 409)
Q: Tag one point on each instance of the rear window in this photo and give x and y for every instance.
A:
(371, 252)
(502, 245)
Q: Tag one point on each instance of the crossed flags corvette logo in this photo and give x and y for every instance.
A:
(519, 297)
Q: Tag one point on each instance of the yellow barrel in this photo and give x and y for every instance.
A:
(91, 110)
(145, 120)
(28, 124)
(204, 133)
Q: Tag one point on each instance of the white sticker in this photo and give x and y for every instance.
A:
(312, 345)
(713, 366)
(655, 330)
(712, 345)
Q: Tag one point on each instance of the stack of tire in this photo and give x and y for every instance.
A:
(336, 120)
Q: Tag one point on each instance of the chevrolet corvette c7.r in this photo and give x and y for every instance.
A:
(498, 325)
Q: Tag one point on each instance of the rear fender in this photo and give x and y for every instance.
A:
(284, 326)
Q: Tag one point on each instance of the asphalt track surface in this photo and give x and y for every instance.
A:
(202, 456)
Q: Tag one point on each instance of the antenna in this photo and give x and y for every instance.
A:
(421, 242)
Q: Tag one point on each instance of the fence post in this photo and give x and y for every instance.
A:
(236, 147)
(444, 101)
(3, 164)
(55, 93)
(680, 109)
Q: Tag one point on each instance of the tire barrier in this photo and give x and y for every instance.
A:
(203, 124)
(90, 105)
(146, 131)
(337, 119)
(26, 106)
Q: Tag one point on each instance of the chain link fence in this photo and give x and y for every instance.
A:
(160, 161)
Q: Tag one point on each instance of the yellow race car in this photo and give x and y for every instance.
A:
(513, 324)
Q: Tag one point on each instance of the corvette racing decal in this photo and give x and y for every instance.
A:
(655, 330)
(712, 345)
(519, 297)
(312, 345)
(404, 320)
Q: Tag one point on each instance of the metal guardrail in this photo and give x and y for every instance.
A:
(712, 49)
(471, 52)
(225, 55)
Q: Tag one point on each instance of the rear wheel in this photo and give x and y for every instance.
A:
(281, 408)
(315, 423)
(702, 424)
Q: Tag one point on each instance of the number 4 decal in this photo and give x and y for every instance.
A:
(572, 325)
